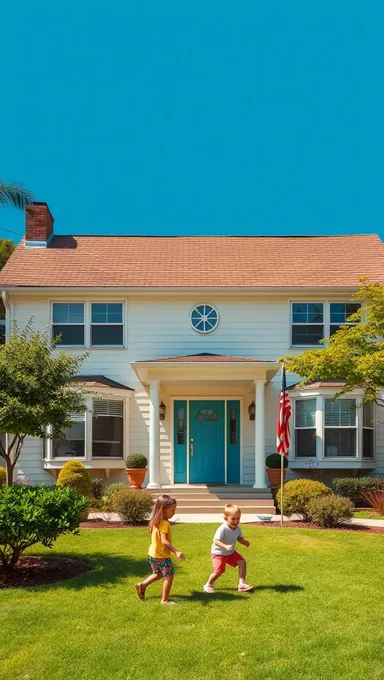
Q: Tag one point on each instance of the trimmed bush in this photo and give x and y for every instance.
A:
(3, 476)
(376, 500)
(35, 514)
(330, 510)
(354, 488)
(132, 505)
(136, 460)
(113, 488)
(273, 461)
(297, 494)
(76, 476)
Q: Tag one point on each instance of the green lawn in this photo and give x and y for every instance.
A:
(367, 514)
(317, 612)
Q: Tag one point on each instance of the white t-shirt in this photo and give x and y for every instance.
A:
(227, 536)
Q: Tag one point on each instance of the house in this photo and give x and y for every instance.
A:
(183, 335)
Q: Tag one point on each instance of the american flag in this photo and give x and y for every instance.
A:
(284, 414)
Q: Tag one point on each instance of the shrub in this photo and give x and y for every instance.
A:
(330, 510)
(3, 476)
(97, 488)
(297, 494)
(136, 460)
(376, 500)
(35, 514)
(273, 461)
(132, 505)
(76, 476)
(113, 488)
(354, 488)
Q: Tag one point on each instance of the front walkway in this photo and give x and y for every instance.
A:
(212, 518)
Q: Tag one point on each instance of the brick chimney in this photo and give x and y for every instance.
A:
(39, 225)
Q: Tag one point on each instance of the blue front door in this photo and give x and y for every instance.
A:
(206, 442)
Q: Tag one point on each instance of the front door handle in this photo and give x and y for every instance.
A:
(191, 446)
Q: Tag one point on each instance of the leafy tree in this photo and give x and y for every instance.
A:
(35, 392)
(14, 195)
(354, 354)
(7, 247)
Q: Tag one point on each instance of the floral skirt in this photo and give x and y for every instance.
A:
(161, 566)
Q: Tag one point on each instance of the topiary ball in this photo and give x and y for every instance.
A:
(273, 461)
(136, 460)
(76, 476)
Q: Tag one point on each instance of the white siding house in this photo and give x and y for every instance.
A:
(183, 337)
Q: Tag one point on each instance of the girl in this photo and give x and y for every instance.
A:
(161, 548)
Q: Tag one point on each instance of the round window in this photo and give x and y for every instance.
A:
(204, 318)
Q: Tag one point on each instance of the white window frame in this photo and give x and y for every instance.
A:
(346, 323)
(343, 427)
(93, 462)
(327, 393)
(293, 447)
(122, 323)
(326, 319)
(374, 430)
(84, 324)
(123, 456)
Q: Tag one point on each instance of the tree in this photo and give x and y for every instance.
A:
(7, 247)
(35, 392)
(354, 354)
(14, 195)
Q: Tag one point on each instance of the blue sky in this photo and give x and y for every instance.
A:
(259, 117)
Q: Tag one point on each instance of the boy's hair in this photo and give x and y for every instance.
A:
(162, 502)
(231, 509)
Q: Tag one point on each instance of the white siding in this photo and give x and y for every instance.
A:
(158, 326)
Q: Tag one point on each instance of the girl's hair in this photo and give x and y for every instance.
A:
(162, 502)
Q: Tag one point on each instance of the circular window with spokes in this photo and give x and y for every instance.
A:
(204, 318)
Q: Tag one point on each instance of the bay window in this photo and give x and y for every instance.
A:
(340, 426)
(107, 429)
(368, 431)
(305, 428)
(73, 446)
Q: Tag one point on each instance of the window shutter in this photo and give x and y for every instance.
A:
(305, 413)
(106, 407)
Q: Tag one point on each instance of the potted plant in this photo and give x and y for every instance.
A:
(273, 465)
(136, 469)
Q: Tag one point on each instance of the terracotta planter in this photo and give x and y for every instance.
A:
(274, 476)
(136, 477)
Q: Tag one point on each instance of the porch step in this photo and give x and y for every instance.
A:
(200, 498)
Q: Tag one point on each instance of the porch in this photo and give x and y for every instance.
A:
(208, 411)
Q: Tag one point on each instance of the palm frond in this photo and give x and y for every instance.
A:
(14, 195)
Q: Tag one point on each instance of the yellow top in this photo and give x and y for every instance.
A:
(157, 550)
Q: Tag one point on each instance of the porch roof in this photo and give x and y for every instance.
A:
(205, 366)
(100, 381)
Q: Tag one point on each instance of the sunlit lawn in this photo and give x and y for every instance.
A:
(317, 612)
(367, 514)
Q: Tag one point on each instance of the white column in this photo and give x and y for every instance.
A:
(154, 435)
(259, 436)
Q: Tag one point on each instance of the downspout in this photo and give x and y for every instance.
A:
(7, 319)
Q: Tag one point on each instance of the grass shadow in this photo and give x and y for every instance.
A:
(107, 571)
(205, 599)
(281, 588)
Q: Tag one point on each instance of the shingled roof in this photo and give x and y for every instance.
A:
(197, 261)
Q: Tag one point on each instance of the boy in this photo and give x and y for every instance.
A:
(223, 550)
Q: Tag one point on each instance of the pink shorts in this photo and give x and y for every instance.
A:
(221, 561)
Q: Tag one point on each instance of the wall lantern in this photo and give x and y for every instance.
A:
(251, 411)
(162, 411)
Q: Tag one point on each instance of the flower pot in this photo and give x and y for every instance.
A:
(274, 476)
(136, 477)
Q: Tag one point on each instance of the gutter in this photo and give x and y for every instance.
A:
(7, 319)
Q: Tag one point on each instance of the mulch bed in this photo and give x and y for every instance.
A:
(37, 571)
(308, 525)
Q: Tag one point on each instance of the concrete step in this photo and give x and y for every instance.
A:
(223, 499)
(253, 509)
(217, 502)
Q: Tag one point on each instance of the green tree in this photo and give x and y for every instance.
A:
(7, 247)
(14, 195)
(353, 355)
(35, 392)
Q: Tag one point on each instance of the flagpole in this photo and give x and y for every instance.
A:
(282, 482)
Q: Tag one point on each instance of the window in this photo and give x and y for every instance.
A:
(73, 446)
(107, 429)
(204, 318)
(307, 323)
(180, 425)
(2, 331)
(233, 426)
(305, 428)
(107, 324)
(340, 312)
(368, 430)
(68, 323)
(340, 425)
(206, 414)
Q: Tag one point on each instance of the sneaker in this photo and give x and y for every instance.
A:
(245, 588)
(169, 602)
(208, 589)
(140, 591)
